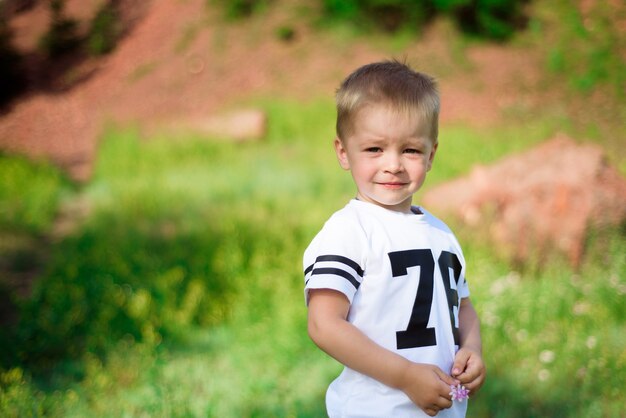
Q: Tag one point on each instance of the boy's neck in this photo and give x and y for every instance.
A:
(414, 210)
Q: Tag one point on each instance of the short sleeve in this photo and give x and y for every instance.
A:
(336, 257)
(462, 287)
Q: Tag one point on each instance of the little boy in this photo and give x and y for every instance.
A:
(385, 280)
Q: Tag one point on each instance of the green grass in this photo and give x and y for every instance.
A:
(181, 294)
(586, 47)
(554, 337)
(30, 193)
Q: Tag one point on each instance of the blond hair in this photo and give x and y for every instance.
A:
(391, 83)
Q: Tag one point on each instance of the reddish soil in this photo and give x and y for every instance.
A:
(529, 207)
(180, 60)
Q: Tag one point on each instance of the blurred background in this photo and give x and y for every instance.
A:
(164, 164)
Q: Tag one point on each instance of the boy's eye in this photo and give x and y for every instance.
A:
(412, 151)
(373, 149)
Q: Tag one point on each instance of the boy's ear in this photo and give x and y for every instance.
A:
(431, 157)
(342, 155)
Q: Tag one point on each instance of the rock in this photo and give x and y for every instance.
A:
(544, 200)
(241, 125)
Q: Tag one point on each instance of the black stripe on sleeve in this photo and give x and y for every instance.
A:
(343, 260)
(308, 269)
(337, 272)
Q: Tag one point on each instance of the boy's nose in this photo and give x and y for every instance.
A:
(393, 163)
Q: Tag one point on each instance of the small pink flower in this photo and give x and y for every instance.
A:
(459, 393)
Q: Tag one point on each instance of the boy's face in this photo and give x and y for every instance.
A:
(388, 154)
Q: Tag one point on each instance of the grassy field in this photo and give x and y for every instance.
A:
(180, 294)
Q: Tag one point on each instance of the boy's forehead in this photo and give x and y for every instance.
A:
(396, 114)
(400, 111)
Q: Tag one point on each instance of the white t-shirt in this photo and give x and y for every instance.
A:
(404, 275)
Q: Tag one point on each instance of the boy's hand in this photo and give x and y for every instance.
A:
(469, 369)
(428, 387)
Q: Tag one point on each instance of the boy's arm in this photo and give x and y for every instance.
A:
(426, 385)
(468, 366)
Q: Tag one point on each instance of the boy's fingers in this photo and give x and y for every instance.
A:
(468, 376)
(444, 403)
(449, 380)
(460, 361)
(475, 382)
(431, 412)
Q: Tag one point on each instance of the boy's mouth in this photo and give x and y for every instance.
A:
(393, 185)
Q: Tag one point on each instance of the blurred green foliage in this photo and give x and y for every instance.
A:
(585, 46)
(237, 9)
(122, 279)
(105, 29)
(388, 15)
(62, 35)
(493, 19)
(30, 193)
